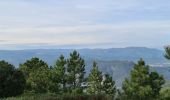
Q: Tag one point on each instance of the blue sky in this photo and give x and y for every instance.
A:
(32, 24)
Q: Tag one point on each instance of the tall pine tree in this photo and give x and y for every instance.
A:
(142, 84)
(59, 73)
(75, 72)
(95, 80)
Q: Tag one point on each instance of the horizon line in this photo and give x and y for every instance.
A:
(80, 48)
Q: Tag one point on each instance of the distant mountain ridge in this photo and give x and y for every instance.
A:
(150, 55)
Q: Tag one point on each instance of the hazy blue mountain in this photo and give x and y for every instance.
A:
(116, 61)
(151, 56)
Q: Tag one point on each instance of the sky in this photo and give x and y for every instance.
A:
(52, 24)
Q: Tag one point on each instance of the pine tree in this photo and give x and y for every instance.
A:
(95, 80)
(109, 85)
(75, 71)
(60, 72)
(142, 84)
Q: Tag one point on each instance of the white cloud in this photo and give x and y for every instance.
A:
(138, 23)
(140, 32)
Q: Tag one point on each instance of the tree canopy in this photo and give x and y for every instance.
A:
(12, 81)
(68, 74)
(142, 84)
(75, 71)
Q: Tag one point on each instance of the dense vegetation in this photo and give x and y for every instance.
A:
(12, 80)
(66, 80)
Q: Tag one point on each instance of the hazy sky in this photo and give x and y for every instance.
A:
(30, 24)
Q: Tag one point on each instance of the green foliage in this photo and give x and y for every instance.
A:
(142, 84)
(12, 81)
(67, 76)
(35, 63)
(167, 52)
(99, 84)
(94, 80)
(37, 75)
(32, 65)
(165, 94)
(156, 82)
(108, 85)
(75, 71)
(59, 74)
(39, 80)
